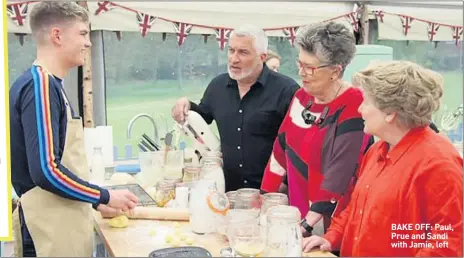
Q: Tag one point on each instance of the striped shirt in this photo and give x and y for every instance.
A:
(38, 132)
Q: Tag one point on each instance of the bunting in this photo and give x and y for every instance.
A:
(406, 21)
(379, 14)
(353, 20)
(457, 33)
(222, 36)
(182, 30)
(145, 22)
(17, 13)
(432, 30)
(290, 33)
(103, 7)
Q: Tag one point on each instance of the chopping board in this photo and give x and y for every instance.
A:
(141, 237)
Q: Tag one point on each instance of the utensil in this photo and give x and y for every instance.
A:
(151, 142)
(142, 148)
(144, 143)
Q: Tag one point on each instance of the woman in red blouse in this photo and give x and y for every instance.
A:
(321, 138)
(408, 199)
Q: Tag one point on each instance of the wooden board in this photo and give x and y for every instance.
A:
(141, 237)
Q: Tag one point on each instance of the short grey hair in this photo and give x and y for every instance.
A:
(261, 41)
(332, 43)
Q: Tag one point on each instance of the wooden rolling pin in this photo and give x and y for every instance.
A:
(157, 213)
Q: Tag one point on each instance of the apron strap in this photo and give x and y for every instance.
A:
(67, 106)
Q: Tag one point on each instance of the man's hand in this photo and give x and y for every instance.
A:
(315, 241)
(180, 110)
(123, 200)
(107, 211)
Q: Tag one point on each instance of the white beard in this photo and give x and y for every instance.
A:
(241, 75)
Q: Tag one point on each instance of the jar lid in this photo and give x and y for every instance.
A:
(218, 202)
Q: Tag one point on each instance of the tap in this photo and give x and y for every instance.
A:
(155, 128)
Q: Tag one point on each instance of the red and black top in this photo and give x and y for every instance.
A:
(320, 161)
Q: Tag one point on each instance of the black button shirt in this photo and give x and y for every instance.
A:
(248, 126)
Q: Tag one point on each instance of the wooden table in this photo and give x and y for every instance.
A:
(141, 237)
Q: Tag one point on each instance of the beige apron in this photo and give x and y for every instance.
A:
(59, 226)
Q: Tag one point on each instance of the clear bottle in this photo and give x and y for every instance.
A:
(284, 237)
(212, 169)
(98, 165)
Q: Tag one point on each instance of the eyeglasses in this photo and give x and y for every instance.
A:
(308, 69)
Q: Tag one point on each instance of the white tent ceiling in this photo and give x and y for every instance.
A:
(206, 16)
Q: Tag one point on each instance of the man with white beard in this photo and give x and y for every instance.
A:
(248, 104)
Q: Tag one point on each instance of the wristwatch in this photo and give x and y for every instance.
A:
(306, 226)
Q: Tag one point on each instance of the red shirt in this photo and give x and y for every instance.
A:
(417, 185)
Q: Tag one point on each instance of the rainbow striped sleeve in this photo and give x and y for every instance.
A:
(56, 174)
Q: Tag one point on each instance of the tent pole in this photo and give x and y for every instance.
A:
(362, 14)
(87, 84)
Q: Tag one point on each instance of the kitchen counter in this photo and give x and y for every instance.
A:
(141, 237)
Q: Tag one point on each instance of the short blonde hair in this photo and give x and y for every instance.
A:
(404, 87)
(272, 54)
(45, 14)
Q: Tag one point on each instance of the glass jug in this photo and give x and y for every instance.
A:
(284, 237)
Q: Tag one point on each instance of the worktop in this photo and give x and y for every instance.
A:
(142, 236)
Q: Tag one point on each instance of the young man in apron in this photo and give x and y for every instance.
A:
(49, 166)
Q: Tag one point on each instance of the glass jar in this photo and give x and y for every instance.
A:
(248, 198)
(284, 237)
(270, 200)
(212, 169)
(165, 192)
(232, 196)
(191, 173)
(212, 156)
